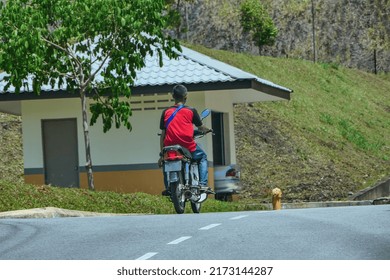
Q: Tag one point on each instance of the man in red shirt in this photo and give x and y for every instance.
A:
(180, 131)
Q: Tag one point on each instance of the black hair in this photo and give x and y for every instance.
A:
(179, 92)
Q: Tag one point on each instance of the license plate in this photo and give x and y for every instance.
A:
(172, 166)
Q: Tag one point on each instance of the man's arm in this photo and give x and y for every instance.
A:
(160, 159)
(204, 129)
(162, 137)
(199, 124)
(162, 127)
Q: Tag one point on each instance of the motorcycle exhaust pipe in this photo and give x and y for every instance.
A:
(189, 195)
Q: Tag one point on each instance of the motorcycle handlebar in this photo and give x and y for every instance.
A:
(198, 134)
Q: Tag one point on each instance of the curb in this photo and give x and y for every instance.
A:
(326, 204)
(302, 205)
(51, 212)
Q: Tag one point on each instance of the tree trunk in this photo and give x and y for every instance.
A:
(260, 50)
(88, 163)
(178, 27)
(314, 31)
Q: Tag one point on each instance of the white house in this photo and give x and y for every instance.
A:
(123, 161)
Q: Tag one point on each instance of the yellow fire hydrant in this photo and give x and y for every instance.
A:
(276, 199)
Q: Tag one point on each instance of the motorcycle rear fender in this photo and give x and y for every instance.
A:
(173, 177)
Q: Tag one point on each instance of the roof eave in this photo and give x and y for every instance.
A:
(161, 89)
(280, 92)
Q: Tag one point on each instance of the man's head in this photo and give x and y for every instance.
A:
(179, 93)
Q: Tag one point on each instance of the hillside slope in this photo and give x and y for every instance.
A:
(331, 139)
(11, 162)
(346, 32)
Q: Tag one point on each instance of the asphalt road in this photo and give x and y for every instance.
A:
(339, 233)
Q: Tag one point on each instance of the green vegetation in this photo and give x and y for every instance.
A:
(23, 196)
(256, 20)
(332, 138)
(11, 162)
(66, 44)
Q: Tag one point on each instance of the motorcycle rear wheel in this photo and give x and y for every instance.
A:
(177, 196)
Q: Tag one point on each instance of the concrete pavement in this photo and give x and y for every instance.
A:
(53, 212)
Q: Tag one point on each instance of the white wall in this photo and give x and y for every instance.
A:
(121, 146)
(141, 145)
(33, 111)
(221, 101)
(117, 146)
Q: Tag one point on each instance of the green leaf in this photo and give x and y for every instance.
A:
(57, 40)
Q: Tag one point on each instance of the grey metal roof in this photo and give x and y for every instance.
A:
(233, 72)
(195, 70)
(184, 70)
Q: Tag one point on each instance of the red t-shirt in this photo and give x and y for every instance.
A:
(180, 130)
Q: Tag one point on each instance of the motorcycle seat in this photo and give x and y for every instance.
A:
(183, 150)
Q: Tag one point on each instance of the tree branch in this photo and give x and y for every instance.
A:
(92, 76)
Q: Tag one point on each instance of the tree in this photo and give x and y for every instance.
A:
(174, 16)
(256, 21)
(313, 17)
(67, 43)
(378, 31)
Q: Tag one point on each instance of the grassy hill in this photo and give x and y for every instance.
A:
(331, 139)
(11, 155)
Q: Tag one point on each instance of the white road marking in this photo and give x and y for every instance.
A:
(239, 217)
(147, 256)
(210, 226)
(177, 241)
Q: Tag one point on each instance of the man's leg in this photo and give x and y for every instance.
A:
(201, 156)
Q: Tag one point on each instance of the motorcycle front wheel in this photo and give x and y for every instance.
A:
(177, 195)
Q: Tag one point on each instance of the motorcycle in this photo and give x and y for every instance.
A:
(182, 175)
